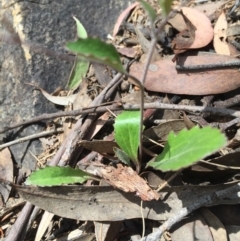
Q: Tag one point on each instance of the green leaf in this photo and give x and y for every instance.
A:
(79, 71)
(80, 67)
(149, 9)
(122, 156)
(188, 147)
(165, 6)
(126, 128)
(81, 31)
(94, 49)
(55, 176)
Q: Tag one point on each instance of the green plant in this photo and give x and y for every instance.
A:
(181, 150)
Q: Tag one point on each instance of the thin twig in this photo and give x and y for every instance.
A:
(18, 230)
(228, 102)
(220, 165)
(31, 137)
(206, 200)
(154, 105)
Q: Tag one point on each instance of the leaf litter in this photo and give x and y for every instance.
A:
(193, 80)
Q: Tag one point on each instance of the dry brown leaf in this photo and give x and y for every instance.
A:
(197, 33)
(107, 231)
(193, 228)
(122, 16)
(126, 51)
(99, 146)
(82, 100)
(58, 100)
(162, 131)
(220, 35)
(163, 77)
(44, 223)
(185, 38)
(216, 227)
(109, 204)
(97, 126)
(189, 123)
(204, 30)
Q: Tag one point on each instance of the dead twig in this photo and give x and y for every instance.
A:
(206, 200)
(18, 230)
(227, 103)
(31, 137)
(115, 107)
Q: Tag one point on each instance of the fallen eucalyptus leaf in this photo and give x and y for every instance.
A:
(204, 30)
(163, 77)
(43, 225)
(192, 226)
(162, 131)
(58, 100)
(106, 231)
(220, 35)
(99, 146)
(218, 230)
(122, 17)
(100, 203)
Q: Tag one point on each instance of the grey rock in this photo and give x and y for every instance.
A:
(50, 24)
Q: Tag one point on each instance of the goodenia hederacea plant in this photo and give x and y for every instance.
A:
(94, 49)
(126, 133)
(81, 66)
(188, 147)
(56, 176)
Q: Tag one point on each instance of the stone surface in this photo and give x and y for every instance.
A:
(50, 24)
